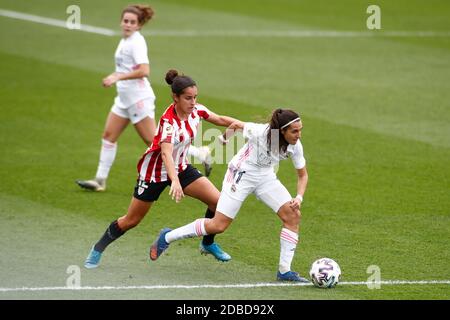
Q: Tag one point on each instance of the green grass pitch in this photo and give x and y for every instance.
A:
(376, 115)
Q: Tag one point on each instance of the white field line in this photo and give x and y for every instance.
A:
(54, 22)
(231, 33)
(223, 286)
(296, 34)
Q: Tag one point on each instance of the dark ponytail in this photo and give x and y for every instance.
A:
(178, 82)
(279, 119)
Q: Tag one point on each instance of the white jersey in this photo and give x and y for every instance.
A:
(256, 155)
(130, 53)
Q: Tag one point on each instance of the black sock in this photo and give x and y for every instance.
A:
(209, 239)
(112, 233)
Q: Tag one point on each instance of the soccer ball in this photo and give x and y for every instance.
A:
(325, 273)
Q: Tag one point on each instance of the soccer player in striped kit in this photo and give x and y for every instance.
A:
(165, 164)
(252, 171)
(135, 100)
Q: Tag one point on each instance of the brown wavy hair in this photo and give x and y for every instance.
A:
(143, 12)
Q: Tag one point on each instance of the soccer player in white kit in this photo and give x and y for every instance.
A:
(165, 164)
(252, 171)
(135, 100)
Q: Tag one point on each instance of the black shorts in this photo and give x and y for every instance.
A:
(150, 191)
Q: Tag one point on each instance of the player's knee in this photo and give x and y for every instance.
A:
(220, 227)
(296, 216)
(290, 216)
(211, 202)
(212, 207)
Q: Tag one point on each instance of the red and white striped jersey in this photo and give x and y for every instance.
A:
(171, 129)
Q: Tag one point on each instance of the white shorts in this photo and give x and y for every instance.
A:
(238, 185)
(136, 112)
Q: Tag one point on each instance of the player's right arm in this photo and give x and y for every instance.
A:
(166, 144)
(302, 181)
(141, 70)
(176, 191)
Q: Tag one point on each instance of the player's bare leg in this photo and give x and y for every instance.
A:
(146, 129)
(114, 127)
(136, 212)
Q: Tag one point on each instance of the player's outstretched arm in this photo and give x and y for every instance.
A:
(218, 120)
(231, 130)
(142, 70)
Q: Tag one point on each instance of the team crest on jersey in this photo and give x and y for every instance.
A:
(169, 128)
(140, 190)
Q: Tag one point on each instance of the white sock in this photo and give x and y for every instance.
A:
(193, 229)
(288, 241)
(107, 156)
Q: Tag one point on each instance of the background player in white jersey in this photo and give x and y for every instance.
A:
(135, 100)
(165, 164)
(252, 171)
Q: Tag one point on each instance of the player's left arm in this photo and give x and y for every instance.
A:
(140, 71)
(302, 182)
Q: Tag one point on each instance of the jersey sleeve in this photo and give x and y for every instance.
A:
(167, 134)
(298, 158)
(140, 55)
(202, 111)
(254, 130)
